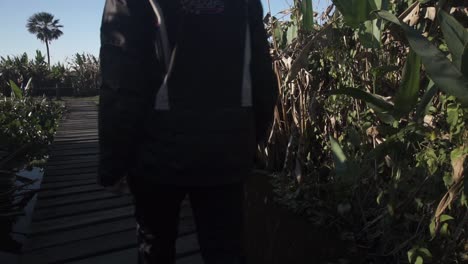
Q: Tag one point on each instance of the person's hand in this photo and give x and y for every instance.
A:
(120, 187)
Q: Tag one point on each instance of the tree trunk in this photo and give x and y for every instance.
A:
(48, 55)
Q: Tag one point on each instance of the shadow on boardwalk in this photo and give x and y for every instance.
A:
(75, 220)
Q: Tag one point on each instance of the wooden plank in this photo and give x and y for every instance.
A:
(126, 256)
(86, 232)
(186, 227)
(77, 139)
(81, 190)
(85, 207)
(76, 142)
(75, 152)
(64, 184)
(77, 160)
(82, 249)
(69, 177)
(186, 245)
(70, 200)
(71, 158)
(72, 166)
(61, 171)
(77, 221)
(191, 259)
(74, 146)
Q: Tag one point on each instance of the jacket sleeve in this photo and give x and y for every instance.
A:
(129, 72)
(264, 80)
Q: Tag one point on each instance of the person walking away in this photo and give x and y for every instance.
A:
(187, 93)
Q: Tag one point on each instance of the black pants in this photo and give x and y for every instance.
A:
(218, 214)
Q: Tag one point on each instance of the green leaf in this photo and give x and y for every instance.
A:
(378, 4)
(432, 228)
(452, 115)
(445, 218)
(339, 156)
(354, 11)
(411, 255)
(419, 260)
(455, 35)
(16, 90)
(444, 229)
(370, 34)
(441, 70)
(291, 33)
(407, 96)
(425, 252)
(307, 15)
(423, 105)
(366, 97)
(464, 62)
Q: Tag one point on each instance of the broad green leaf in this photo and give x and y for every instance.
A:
(445, 218)
(291, 33)
(307, 15)
(377, 4)
(407, 96)
(425, 252)
(432, 228)
(455, 35)
(370, 34)
(452, 115)
(419, 260)
(424, 104)
(16, 90)
(366, 97)
(464, 62)
(444, 229)
(441, 70)
(457, 153)
(339, 156)
(354, 11)
(411, 254)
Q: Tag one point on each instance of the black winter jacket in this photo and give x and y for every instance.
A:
(208, 135)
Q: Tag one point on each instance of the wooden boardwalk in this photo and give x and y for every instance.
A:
(75, 220)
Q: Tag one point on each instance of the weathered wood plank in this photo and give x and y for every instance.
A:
(185, 245)
(80, 170)
(86, 232)
(50, 194)
(71, 166)
(127, 256)
(82, 248)
(70, 200)
(77, 221)
(86, 207)
(53, 161)
(192, 259)
(69, 177)
(186, 227)
(65, 184)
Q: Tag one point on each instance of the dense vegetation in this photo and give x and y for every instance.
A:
(80, 74)
(369, 139)
(27, 126)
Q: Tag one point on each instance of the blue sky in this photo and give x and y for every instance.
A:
(81, 20)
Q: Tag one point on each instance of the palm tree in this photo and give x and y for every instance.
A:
(46, 29)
